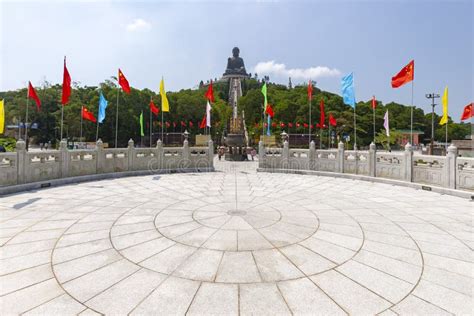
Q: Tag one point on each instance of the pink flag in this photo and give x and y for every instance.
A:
(385, 124)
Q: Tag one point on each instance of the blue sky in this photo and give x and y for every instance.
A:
(190, 40)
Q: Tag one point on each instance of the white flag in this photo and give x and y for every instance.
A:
(385, 124)
(208, 114)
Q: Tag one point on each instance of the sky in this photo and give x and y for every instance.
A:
(189, 41)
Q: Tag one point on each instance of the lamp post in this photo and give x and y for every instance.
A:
(432, 96)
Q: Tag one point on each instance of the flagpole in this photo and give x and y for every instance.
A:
(320, 137)
(373, 110)
(355, 129)
(62, 120)
(329, 135)
(97, 132)
(80, 135)
(411, 113)
(162, 127)
(116, 117)
(26, 117)
(446, 144)
(310, 118)
(151, 126)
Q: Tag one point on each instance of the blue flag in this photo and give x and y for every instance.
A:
(348, 94)
(268, 125)
(102, 107)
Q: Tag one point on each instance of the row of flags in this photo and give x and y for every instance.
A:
(404, 76)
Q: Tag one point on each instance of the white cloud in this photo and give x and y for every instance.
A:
(272, 68)
(138, 25)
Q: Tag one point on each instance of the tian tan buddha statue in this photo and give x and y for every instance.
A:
(235, 64)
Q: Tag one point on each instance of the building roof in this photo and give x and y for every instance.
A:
(407, 131)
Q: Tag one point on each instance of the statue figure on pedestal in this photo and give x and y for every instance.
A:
(235, 64)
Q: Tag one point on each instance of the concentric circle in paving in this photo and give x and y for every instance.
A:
(232, 242)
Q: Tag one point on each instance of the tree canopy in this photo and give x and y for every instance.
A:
(290, 105)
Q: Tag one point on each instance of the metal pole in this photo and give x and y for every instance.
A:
(162, 123)
(80, 135)
(446, 144)
(411, 113)
(310, 119)
(26, 118)
(373, 110)
(151, 128)
(116, 118)
(62, 120)
(355, 129)
(97, 132)
(432, 96)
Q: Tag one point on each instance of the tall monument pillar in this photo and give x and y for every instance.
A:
(236, 138)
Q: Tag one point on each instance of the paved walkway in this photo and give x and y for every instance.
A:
(235, 242)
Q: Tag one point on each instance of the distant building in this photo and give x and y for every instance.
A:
(405, 137)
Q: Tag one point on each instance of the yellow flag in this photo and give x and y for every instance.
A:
(444, 101)
(2, 117)
(165, 107)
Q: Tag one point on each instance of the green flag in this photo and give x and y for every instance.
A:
(264, 92)
(141, 125)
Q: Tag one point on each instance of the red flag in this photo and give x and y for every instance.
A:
(66, 85)
(153, 108)
(322, 117)
(374, 102)
(86, 115)
(405, 75)
(32, 95)
(310, 90)
(467, 113)
(191, 124)
(282, 124)
(168, 124)
(312, 126)
(203, 123)
(298, 124)
(290, 125)
(183, 124)
(269, 110)
(332, 120)
(210, 93)
(123, 82)
(305, 125)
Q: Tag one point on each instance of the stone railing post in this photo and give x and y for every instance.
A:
(261, 155)
(64, 158)
(312, 156)
(159, 153)
(408, 162)
(100, 157)
(372, 159)
(210, 153)
(286, 155)
(340, 157)
(186, 152)
(131, 154)
(21, 160)
(450, 167)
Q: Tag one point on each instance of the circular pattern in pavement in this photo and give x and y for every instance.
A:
(237, 242)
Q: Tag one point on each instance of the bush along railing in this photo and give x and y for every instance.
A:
(23, 167)
(447, 171)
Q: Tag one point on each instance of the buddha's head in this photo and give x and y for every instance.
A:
(235, 52)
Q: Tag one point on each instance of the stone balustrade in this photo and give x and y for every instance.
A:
(22, 167)
(447, 171)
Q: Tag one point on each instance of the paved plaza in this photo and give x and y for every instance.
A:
(235, 242)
